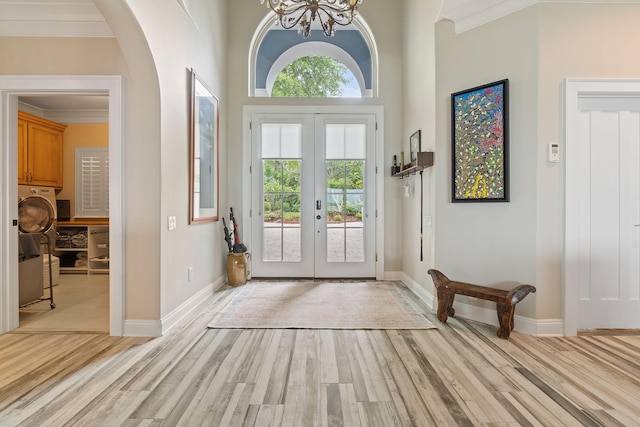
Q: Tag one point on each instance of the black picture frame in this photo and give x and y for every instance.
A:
(480, 143)
(414, 147)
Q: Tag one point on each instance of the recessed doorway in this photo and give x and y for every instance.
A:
(315, 193)
(11, 88)
(79, 245)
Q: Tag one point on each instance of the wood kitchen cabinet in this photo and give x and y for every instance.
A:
(39, 151)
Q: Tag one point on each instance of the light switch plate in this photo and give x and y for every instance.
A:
(171, 223)
(553, 153)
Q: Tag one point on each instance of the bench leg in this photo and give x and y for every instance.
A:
(445, 305)
(505, 317)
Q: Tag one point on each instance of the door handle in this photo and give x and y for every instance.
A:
(318, 205)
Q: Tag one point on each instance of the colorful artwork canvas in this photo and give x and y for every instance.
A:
(480, 142)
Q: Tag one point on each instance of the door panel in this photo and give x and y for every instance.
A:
(314, 195)
(282, 182)
(609, 256)
(345, 240)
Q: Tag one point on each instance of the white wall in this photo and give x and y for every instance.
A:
(536, 48)
(576, 40)
(419, 87)
(489, 243)
(98, 56)
(142, 133)
(485, 243)
(179, 40)
(156, 44)
(385, 24)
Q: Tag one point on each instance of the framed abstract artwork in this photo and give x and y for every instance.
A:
(480, 136)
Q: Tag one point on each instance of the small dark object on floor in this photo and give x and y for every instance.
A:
(505, 300)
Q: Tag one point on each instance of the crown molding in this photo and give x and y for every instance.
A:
(67, 116)
(77, 116)
(469, 14)
(49, 18)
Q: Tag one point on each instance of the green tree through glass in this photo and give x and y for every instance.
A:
(282, 190)
(311, 77)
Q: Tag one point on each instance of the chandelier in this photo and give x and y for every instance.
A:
(302, 13)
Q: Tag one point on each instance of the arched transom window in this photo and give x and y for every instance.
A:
(278, 53)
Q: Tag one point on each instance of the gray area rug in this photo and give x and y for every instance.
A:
(309, 305)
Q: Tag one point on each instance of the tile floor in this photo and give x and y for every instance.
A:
(82, 305)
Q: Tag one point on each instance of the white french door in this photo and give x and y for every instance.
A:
(313, 195)
(603, 210)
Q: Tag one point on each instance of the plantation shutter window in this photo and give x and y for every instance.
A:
(92, 182)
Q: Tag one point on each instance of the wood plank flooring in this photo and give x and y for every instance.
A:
(459, 374)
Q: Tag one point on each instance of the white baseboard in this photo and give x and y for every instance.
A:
(394, 276)
(156, 328)
(525, 325)
(424, 295)
(142, 328)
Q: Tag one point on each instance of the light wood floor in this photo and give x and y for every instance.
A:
(82, 305)
(460, 374)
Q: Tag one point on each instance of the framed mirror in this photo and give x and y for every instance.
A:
(203, 153)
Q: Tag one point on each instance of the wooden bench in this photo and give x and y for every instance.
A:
(505, 300)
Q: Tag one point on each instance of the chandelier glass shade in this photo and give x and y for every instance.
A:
(301, 13)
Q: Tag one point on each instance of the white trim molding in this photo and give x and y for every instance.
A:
(378, 111)
(469, 14)
(191, 305)
(11, 87)
(67, 116)
(158, 328)
(577, 91)
(423, 295)
(64, 18)
(525, 325)
(142, 328)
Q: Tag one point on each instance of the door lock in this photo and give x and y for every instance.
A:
(318, 205)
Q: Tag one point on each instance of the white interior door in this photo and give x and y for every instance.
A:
(313, 195)
(605, 241)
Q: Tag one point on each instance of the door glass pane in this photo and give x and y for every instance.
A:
(345, 141)
(355, 138)
(345, 166)
(270, 141)
(334, 142)
(281, 178)
(281, 141)
(291, 137)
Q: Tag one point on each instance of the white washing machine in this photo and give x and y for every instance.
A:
(48, 193)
